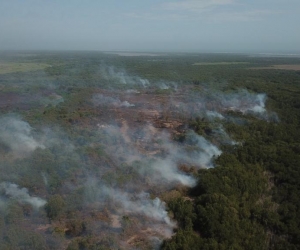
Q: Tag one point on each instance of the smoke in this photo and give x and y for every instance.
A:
(167, 85)
(160, 169)
(132, 162)
(196, 151)
(53, 100)
(18, 135)
(140, 204)
(132, 91)
(12, 191)
(101, 100)
(163, 86)
(122, 77)
(214, 105)
(123, 203)
(126, 104)
(45, 179)
(259, 104)
(166, 170)
(221, 135)
(243, 101)
(214, 115)
(199, 151)
(160, 160)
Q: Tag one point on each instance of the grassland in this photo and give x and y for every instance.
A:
(12, 67)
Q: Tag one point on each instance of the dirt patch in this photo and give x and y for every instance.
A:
(124, 131)
(115, 221)
(43, 227)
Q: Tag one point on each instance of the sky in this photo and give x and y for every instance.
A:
(258, 26)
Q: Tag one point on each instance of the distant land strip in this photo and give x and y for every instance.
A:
(280, 66)
(217, 63)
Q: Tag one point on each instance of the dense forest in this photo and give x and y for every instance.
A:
(169, 151)
(250, 199)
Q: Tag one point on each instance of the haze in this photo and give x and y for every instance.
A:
(151, 25)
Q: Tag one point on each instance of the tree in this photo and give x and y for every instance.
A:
(55, 206)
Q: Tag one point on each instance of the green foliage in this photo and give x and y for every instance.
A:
(75, 227)
(14, 214)
(184, 212)
(2, 227)
(250, 201)
(22, 239)
(90, 243)
(223, 208)
(55, 206)
(184, 240)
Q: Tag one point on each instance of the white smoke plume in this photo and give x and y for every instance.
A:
(221, 135)
(243, 101)
(53, 100)
(126, 104)
(18, 135)
(214, 115)
(161, 169)
(166, 170)
(213, 105)
(102, 100)
(200, 151)
(167, 85)
(140, 204)
(126, 203)
(122, 77)
(13, 191)
(132, 91)
(160, 162)
(163, 86)
(197, 151)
